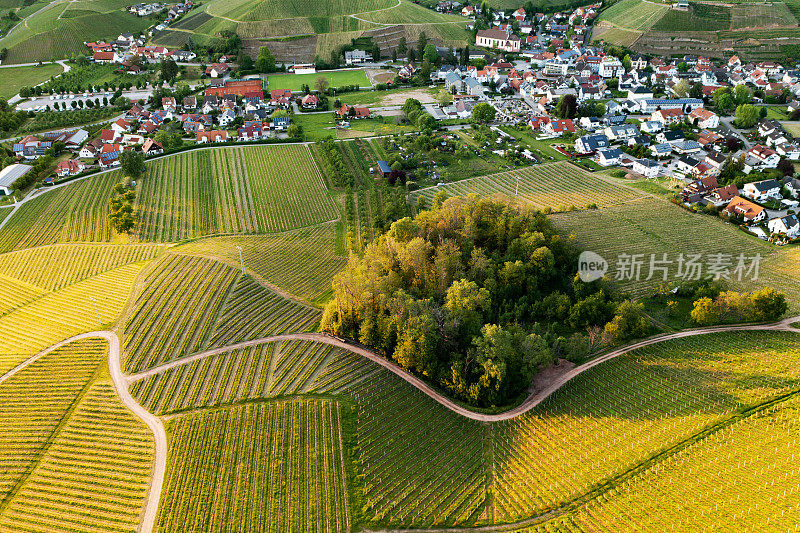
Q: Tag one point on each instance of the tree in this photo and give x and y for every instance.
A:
(741, 94)
(444, 98)
(567, 106)
(768, 304)
(630, 321)
(295, 131)
(746, 115)
(265, 61)
(483, 113)
(321, 84)
(704, 312)
(422, 42)
(681, 88)
(402, 47)
(169, 69)
(430, 54)
(627, 64)
(132, 163)
(683, 67)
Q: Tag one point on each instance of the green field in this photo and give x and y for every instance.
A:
(335, 78)
(700, 17)
(13, 79)
(555, 185)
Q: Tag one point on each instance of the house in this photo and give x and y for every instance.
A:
(356, 57)
(10, 174)
(91, 149)
(761, 191)
(648, 105)
(759, 156)
(309, 101)
(788, 225)
(347, 111)
(608, 156)
(211, 136)
(704, 118)
(384, 169)
(77, 138)
(651, 126)
(152, 147)
(623, 132)
(500, 39)
(671, 136)
(102, 57)
(668, 116)
(121, 126)
(746, 209)
(218, 70)
(646, 167)
(722, 195)
(591, 143)
(226, 117)
(558, 127)
(611, 67)
(109, 159)
(640, 92)
(70, 167)
(686, 147)
(793, 186)
(661, 150)
(169, 103)
(715, 159)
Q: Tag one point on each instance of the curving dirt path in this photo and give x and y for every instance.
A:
(532, 400)
(150, 512)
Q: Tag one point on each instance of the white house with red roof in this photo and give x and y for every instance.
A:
(70, 167)
(102, 57)
(121, 126)
(704, 118)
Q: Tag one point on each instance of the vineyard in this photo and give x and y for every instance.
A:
(74, 213)
(66, 312)
(262, 371)
(276, 466)
(189, 304)
(302, 262)
(555, 185)
(258, 189)
(652, 226)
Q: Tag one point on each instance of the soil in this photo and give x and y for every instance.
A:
(550, 374)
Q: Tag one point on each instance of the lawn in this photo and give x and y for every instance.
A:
(542, 148)
(792, 127)
(776, 112)
(13, 79)
(335, 78)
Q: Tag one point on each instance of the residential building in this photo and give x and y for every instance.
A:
(761, 191)
(608, 157)
(70, 167)
(788, 225)
(646, 167)
(704, 118)
(746, 209)
(591, 143)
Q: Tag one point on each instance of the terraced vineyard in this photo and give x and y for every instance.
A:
(556, 185)
(231, 190)
(263, 371)
(67, 312)
(188, 304)
(652, 226)
(276, 466)
(302, 262)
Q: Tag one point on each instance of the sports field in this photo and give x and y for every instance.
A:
(335, 78)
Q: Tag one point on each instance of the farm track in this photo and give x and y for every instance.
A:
(155, 424)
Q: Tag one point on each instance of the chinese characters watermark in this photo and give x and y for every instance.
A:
(686, 267)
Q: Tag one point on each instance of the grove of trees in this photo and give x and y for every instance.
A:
(476, 296)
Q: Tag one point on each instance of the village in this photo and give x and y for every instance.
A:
(714, 126)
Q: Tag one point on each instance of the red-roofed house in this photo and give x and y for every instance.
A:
(70, 167)
(103, 57)
(559, 127)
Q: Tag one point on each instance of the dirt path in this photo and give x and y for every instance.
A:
(150, 511)
(531, 402)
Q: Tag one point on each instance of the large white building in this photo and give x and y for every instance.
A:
(10, 174)
(499, 39)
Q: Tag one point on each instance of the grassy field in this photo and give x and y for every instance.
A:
(13, 79)
(336, 78)
(554, 185)
(188, 304)
(700, 17)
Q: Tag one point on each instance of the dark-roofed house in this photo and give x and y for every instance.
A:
(383, 168)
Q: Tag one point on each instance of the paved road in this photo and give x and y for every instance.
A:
(531, 402)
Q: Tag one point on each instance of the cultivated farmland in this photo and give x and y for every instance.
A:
(654, 226)
(277, 466)
(302, 262)
(264, 371)
(231, 190)
(189, 304)
(555, 185)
